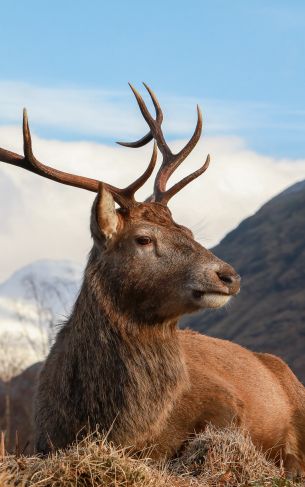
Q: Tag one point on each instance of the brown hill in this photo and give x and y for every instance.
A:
(268, 250)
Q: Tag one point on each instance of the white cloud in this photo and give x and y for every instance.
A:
(94, 112)
(42, 219)
(105, 113)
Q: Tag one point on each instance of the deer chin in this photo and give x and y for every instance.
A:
(210, 299)
(215, 300)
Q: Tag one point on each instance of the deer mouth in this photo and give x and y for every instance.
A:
(210, 299)
(198, 293)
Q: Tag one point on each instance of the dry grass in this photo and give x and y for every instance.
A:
(215, 458)
(92, 462)
(227, 457)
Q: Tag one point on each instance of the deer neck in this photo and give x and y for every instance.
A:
(131, 374)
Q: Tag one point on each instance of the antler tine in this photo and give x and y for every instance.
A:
(138, 143)
(187, 149)
(125, 196)
(173, 161)
(159, 113)
(167, 195)
(30, 163)
(27, 139)
(133, 187)
(147, 116)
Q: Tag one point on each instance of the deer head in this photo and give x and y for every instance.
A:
(153, 268)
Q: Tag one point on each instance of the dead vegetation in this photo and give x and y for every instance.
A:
(215, 458)
(227, 457)
(92, 462)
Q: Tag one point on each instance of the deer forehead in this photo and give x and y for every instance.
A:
(153, 219)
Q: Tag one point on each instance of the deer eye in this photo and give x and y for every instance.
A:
(143, 240)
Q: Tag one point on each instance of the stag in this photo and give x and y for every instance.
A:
(121, 363)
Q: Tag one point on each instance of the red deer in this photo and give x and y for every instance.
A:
(120, 361)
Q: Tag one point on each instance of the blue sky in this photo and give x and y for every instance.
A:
(242, 60)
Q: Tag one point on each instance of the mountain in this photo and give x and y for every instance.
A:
(268, 251)
(32, 301)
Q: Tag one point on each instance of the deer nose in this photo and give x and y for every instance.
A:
(230, 279)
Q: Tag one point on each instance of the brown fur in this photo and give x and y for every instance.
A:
(121, 363)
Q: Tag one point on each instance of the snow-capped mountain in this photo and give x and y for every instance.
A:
(33, 301)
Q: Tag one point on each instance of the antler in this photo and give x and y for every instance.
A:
(124, 197)
(170, 161)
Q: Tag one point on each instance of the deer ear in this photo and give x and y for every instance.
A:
(106, 215)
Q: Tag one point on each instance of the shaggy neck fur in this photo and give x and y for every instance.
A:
(119, 375)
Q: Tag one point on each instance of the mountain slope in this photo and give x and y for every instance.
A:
(268, 250)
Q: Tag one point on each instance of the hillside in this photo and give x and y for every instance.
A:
(268, 251)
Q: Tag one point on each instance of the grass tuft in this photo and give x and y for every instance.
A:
(215, 458)
(91, 463)
(227, 457)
